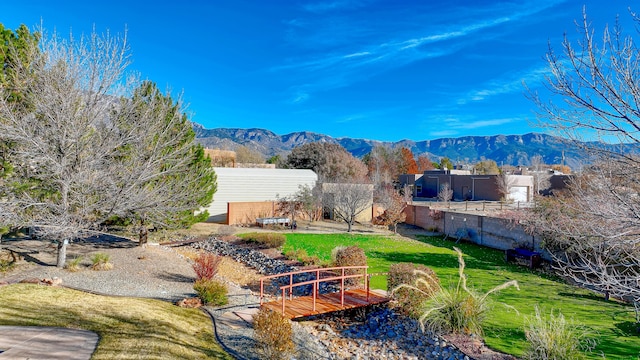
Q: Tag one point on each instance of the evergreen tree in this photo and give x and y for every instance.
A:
(95, 144)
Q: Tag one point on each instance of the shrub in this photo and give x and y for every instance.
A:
(73, 265)
(8, 259)
(555, 338)
(314, 260)
(211, 292)
(206, 265)
(295, 254)
(302, 256)
(350, 256)
(100, 261)
(274, 335)
(424, 283)
(458, 309)
(267, 240)
(6, 265)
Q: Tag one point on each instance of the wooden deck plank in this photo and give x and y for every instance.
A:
(325, 303)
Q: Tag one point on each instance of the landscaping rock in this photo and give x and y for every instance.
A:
(192, 302)
(45, 281)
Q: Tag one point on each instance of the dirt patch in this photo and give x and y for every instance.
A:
(475, 348)
(238, 273)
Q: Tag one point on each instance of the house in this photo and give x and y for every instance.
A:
(256, 188)
(467, 186)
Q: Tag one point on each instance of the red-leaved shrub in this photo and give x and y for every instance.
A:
(206, 265)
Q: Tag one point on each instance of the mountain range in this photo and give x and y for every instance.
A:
(503, 149)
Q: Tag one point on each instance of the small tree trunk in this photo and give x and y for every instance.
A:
(349, 226)
(62, 253)
(144, 235)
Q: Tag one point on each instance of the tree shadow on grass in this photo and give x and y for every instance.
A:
(588, 296)
(628, 328)
(438, 260)
(428, 259)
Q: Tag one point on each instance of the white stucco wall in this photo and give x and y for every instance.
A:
(520, 188)
(254, 184)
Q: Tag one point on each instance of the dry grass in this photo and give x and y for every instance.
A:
(228, 268)
(203, 229)
(129, 328)
(237, 272)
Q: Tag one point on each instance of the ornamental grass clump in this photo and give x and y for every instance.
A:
(75, 264)
(274, 335)
(410, 299)
(100, 261)
(458, 309)
(555, 338)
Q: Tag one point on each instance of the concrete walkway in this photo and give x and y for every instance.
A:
(46, 343)
(242, 318)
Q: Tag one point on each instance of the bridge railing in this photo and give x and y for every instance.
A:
(338, 274)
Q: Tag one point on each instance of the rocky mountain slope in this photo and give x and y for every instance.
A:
(504, 149)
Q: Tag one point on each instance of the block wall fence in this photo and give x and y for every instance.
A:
(487, 231)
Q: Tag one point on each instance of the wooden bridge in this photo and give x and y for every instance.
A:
(316, 303)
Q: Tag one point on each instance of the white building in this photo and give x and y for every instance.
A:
(255, 184)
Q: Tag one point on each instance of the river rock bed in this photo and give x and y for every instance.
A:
(264, 265)
(380, 334)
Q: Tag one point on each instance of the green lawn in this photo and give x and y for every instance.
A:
(486, 268)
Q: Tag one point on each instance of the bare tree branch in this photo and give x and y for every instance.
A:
(92, 143)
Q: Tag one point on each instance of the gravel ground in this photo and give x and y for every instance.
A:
(151, 271)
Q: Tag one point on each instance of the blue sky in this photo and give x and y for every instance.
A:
(382, 70)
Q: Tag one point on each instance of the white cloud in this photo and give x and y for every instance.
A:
(443, 133)
(300, 97)
(449, 125)
(358, 54)
(361, 49)
(326, 6)
(507, 85)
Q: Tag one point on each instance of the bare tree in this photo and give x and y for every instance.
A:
(394, 203)
(245, 155)
(8, 217)
(446, 193)
(307, 201)
(347, 201)
(288, 207)
(381, 165)
(594, 240)
(594, 232)
(537, 165)
(310, 199)
(504, 182)
(94, 143)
